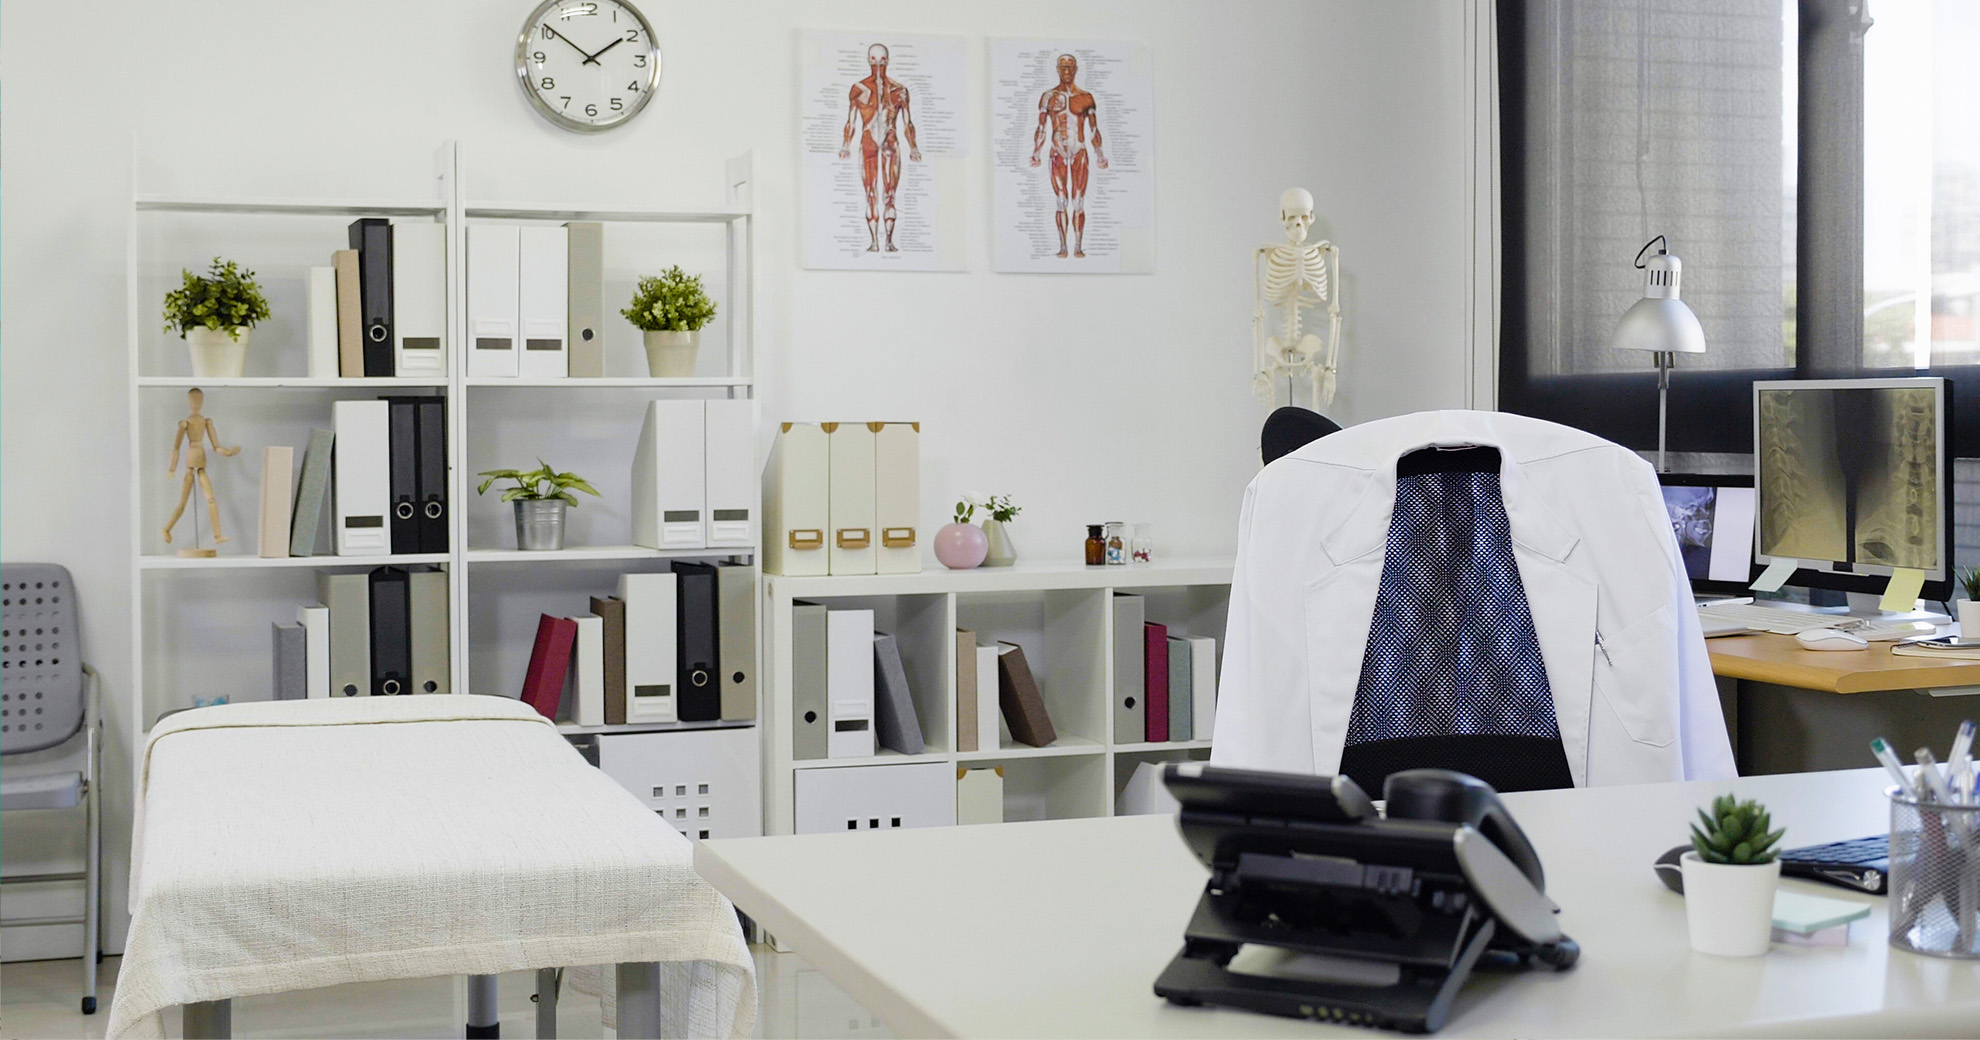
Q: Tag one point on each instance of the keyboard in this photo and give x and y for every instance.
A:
(1862, 864)
(1788, 622)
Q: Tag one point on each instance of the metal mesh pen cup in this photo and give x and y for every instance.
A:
(1935, 878)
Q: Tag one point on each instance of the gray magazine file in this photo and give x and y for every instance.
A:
(895, 723)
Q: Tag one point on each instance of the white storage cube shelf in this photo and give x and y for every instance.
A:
(1061, 614)
(201, 626)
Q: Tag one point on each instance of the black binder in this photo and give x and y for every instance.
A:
(372, 238)
(391, 632)
(432, 477)
(403, 424)
(700, 693)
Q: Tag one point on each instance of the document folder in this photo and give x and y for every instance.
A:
(419, 299)
(350, 313)
(588, 670)
(650, 639)
(278, 473)
(315, 620)
(852, 549)
(796, 501)
(363, 470)
(897, 496)
(585, 302)
(431, 664)
(695, 646)
(613, 610)
(494, 258)
(372, 238)
(810, 714)
(391, 633)
(735, 631)
(544, 302)
(730, 435)
(322, 315)
(849, 678)
(1130, 694)
(404, 437)
(348, 599)
(433, 537)
(668, 481)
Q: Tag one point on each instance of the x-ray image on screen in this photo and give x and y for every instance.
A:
(1692, 511)
(1850, 475)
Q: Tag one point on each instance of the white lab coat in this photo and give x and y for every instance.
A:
(1625, 658)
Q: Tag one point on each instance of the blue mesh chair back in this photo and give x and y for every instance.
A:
(41, 668)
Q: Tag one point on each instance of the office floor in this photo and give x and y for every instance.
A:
(38, 999)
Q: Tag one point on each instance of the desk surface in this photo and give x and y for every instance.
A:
(1059, 928)
(1769, 658)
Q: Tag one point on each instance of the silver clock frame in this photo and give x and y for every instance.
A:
(560, 120)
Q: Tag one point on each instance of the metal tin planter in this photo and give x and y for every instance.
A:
(540, 524)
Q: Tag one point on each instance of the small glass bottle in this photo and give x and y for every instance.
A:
(1096, 546)
(1117, 553)
(1144, 545)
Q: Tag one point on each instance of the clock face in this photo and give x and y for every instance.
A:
(587, 65)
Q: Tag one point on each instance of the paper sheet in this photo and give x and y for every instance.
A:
(1901, 595)
(1776, 575)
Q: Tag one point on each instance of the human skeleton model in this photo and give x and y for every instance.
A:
(194, 430)
(873, 106)
(1294, 275)
(1064, 113)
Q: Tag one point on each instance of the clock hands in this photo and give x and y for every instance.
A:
(593, 58)
(566, 39)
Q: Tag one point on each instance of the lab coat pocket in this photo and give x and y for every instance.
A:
(1636, 673)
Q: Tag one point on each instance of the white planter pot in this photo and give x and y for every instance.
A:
(1969, 618)
(216, 355)
(670, 355)
(1729, 908)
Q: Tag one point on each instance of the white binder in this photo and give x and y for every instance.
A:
(731, 478)
(851, 545)
(316, 650)
(322, 308)
(588, 664)
(897, 497)
(669, 482)
(363, 468)
(419, 299)
(494, 254)
(848, 683)
(650, 642)
(796, 508)
(544, 296)
(1202, 685)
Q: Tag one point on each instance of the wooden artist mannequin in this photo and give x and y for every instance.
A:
(194, 431)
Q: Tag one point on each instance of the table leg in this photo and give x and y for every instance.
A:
(484, 1019)
(639, 1000)
(207, 1020)
(546, 1003)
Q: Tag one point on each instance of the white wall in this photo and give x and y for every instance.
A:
(1123, 397)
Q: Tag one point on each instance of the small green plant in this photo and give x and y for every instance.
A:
(1969, 579)
(1735, 832)
(537, 484)
(965, 509)
(1001, 509)
(673, 302)
(226, 299)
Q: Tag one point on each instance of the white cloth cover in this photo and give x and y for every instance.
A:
(295, 844)
(1626, 661)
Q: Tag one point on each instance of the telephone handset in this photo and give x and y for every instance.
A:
(1440, 879)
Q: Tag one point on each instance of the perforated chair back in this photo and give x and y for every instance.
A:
(41, 676)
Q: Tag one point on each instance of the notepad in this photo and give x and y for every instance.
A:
(1815, 920)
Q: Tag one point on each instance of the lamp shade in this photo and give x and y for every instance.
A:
(1660, 321)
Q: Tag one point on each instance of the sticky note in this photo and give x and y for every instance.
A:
(1901, 595)
(1776, 575)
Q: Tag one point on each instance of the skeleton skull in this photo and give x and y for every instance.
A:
(1296, 213)
(876, 56)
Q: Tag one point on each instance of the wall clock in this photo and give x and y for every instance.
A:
(587, 65)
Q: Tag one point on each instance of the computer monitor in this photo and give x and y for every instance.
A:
(1853, 479)
(1712, 517)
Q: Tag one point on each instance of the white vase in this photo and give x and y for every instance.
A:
(671, 354)
(1002, 553)
(1729, 907)
(215, 354)
(1969, 618)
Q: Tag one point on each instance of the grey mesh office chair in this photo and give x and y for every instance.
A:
(47, 700)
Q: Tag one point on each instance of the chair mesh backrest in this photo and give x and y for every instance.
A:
(41, 679)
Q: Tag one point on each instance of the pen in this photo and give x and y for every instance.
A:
(1960, 763)
(1891, 764)
(1929, 777)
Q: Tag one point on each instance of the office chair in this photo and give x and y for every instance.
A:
(1291, 428)
(48, 699)
(1452, 677)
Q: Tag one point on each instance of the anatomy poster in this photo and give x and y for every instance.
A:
(1073, 147)
(885, 135)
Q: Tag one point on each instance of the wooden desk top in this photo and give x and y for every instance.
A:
(1769, 658)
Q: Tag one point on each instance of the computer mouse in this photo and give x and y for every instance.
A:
(1830, 639)
(1669, 871)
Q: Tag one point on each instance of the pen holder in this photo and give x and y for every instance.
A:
(1935, 878)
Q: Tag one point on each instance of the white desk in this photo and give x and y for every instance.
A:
(1059, 928)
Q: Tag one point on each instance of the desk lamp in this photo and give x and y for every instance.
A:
(1661, 324)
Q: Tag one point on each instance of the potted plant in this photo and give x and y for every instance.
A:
(1002, 552)
(214, 314)
(1729, 878)
(541, 495)
(671, 310)
(1969, 608)
(961, 545)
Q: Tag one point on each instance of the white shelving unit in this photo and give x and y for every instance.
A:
(1061, 613)
(200, 626)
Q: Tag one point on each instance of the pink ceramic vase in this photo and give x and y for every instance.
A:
(961, 546)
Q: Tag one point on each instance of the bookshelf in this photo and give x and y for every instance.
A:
(200, 625)
(1061, 613)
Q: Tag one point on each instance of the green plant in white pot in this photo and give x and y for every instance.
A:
(1969, 608)
(1002, 512)
(671, 310)
(541, 495)
(215, 314)
(1729, 878)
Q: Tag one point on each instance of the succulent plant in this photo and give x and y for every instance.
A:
(1735, 832)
